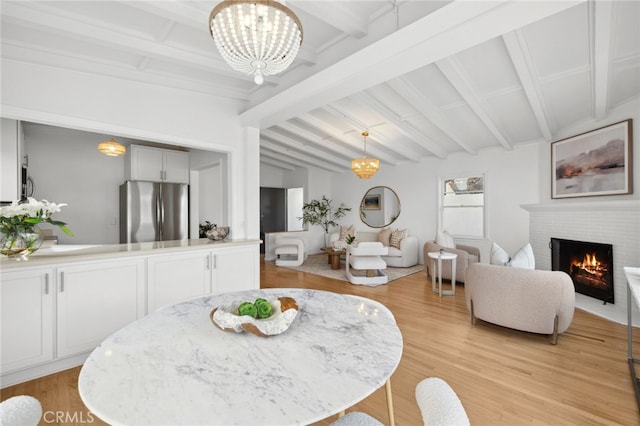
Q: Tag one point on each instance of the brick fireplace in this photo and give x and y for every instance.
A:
(612, 222)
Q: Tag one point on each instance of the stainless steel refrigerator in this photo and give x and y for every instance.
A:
(153, 211)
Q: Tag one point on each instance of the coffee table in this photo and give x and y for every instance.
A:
(175, 367)
(334, 257)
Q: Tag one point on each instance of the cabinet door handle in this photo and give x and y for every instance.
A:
(208, 265)
(214, 262)
(46, 283)
(61, 282)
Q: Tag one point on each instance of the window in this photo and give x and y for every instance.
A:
(462, 206)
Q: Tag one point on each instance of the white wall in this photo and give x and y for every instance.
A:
(208, 173)
(511, 180)
(271, 177)
(210, 195)
(159, 114)
(66, 168)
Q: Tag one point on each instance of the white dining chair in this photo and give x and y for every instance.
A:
(438, 403)
(22, 410)
(357, 418)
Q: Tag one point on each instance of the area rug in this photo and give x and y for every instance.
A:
(318, 264)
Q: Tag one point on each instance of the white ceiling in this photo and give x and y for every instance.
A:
(425, 78)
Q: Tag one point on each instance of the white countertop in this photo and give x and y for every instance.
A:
(63, 254)
(633, 280)
(176, 367)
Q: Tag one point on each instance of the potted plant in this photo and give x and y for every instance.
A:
(321, 212)
(350, 239)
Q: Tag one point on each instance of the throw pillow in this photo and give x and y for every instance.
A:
(344, 231)
(499, 256)
(523, 258)
(384, 236)
(396, 237)
(444, 239)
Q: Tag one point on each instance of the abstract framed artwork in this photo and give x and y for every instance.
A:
(598, 162)
(371, 202)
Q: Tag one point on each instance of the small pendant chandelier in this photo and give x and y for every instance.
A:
(257, 37)
(112, 148)
(365, 167)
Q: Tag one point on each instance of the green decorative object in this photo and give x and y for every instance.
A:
(264, 308)
(248, 308)
(349, 239)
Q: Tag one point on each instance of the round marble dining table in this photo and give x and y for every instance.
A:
(175, 367)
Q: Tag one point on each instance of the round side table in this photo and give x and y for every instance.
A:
(439, 257)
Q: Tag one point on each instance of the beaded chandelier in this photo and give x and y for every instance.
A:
(256, 37)
(365, 167)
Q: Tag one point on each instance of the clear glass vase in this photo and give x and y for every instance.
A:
(20, 245)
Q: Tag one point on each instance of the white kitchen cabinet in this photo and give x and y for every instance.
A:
(173, 278)
(55, 310)
(235, 269)
(27, 318)
(157, 165)
(96, 299)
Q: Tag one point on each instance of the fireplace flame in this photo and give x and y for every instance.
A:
(591, 265)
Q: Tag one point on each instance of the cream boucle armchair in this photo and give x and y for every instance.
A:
(524, 299)
(466, 256)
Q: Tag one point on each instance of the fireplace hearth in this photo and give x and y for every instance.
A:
(590, 266)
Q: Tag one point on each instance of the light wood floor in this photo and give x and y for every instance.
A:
(502, 376)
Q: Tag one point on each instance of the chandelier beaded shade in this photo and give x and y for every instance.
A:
(112, 148)
(365, 167)
(256, 37)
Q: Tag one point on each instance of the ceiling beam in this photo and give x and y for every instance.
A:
(452, 70)
(323, 142)
(284, 154)
(415, 97)
(38, 15)
(522, 62)
(267, 159)
(338, 15)
(182, 12)
(352, 138)
(301, 147)
(600, 44)
(403, 127)
(398, 148)
(61, 59)
(452, 28)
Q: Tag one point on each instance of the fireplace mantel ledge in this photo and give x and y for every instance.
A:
(581, 206)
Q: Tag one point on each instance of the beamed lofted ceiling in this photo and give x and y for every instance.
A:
(425, 78)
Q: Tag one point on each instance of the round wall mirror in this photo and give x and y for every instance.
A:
(379, 207)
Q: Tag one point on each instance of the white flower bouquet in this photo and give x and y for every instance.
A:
(21, 217)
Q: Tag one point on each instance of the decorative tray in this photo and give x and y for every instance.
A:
(284, 311)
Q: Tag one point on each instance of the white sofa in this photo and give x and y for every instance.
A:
(524, 299)
(403, 257)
